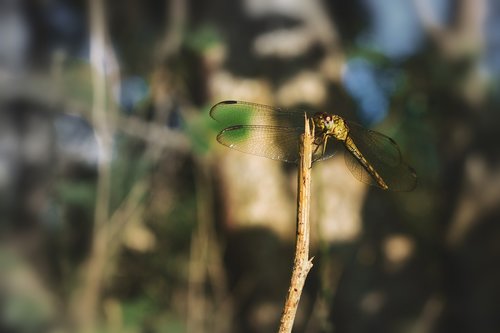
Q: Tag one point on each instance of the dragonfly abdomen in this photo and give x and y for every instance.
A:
(353, 149)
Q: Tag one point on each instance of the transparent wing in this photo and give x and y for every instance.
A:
(357, 169)
(231, 113)
(277, 143)
(383, 154)
(379, 144)
(274, 142)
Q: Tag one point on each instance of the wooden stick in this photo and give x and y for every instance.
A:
(301, 264)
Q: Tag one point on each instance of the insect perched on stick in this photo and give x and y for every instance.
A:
(262, 130)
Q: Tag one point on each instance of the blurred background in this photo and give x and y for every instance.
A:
(120, 212)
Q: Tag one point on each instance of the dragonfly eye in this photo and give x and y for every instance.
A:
(328, 120)
(325, 122)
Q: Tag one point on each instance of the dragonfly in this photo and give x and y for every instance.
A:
(372, 157)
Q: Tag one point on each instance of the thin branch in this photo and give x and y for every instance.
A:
(177, 22)
(153, 133)
(462, 38)
(197, 300)
(86, 298)
(302, 264)
(206, 312)
(99, 114)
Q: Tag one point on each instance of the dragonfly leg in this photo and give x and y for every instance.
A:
(319, 143)
(316, 149)
(324, 143)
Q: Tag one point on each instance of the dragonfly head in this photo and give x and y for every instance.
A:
(331, 124)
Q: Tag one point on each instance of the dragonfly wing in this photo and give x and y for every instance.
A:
(357, 169)
(275, 142)
(383, 155)
(231, 113)
(380, 144)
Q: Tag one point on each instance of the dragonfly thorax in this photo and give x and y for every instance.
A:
(331, 124)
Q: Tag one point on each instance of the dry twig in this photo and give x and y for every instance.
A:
(302, 264)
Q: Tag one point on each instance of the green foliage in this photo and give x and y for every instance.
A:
(202, 38)
(76, 192)
(129, 166)
(201, 131)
